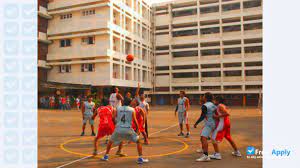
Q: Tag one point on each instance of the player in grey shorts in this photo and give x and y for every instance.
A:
(124, 116)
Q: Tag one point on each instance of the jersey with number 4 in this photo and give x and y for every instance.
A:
(124, 116)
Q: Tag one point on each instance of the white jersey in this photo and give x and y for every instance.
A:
(113, 101)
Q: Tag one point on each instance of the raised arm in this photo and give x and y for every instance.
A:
(137, 90)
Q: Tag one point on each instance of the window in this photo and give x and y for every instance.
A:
(210, 52)
(253, 72)
(185, 33)
(211, 74)
(88, 40)
(252, 4)
(65, 68)
(253, 26)
(205, 66)
(229, 7)
(185, 67)
(88, 12)
(183, 46)
(185, 88)
(186, 75)
(162, 89)
(185, 54)
(255, 49)
(87, 67)
(210, 30)
(235, 64)
(249, 64)
(210, 88)
(233, 73)
(185, 12)
(209, 9)
(210, 44)
(231, 28)
(65, 43)
(161, 68)
(66, 16)
(162, 48)
(232, 51)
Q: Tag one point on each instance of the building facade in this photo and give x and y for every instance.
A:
(208, 45)
(191, 45)
(91, 39)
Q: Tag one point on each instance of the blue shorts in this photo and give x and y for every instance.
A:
(124, 134)
(207, 130)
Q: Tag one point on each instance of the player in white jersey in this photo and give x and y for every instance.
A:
(113, 101)
(145, 106)
(87, 111)
(124, 116)
(182, 110)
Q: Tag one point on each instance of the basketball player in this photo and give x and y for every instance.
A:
(106, 125)
(141, 117)
(182, 109)
(113, 101)
(208, 111)
(87, 111)
(144, 105)
(222, 130)
(123, 131)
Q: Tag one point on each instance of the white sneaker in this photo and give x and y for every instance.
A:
(199, 150)
(203, 158)
(237, 154)
(216, 156)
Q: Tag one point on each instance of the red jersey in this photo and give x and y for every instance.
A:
(139, 118)
(106, 124)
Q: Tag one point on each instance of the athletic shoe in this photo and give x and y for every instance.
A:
(93, 134)
(216, 156)
(181, 134)
(199, 150)
(142, 160)
(187, 135)
(203, 158)
(82, 134)
(105, 158)
(119, 153)
(237, 153)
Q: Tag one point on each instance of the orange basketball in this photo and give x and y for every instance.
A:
(130, 57)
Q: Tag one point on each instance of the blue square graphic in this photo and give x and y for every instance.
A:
(29, 11)
(29, 101)
(11, 65)
(11, 47)
(11, 84)
(29, 84)
(29, 156)
(11, 29)
(29, 29)
(11, 156)
(11, 101)
(11, 138)
(250, 150)
(29, 66)
(29, 138)
(11, 11)
(11, 120)
(29, 120)
(29, 48)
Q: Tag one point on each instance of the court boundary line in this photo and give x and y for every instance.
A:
(86, 157)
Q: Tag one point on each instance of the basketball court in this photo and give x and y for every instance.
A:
(61, 146)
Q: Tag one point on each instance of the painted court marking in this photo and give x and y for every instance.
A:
(86, 157)
(185, 146)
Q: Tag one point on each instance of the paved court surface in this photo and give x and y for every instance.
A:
(60, 143)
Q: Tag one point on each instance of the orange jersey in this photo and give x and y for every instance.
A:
(106, 124)
(139, 118)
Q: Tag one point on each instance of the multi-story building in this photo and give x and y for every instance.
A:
(208, 45)
(198, 46)
(91, 39)
(43, 43)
